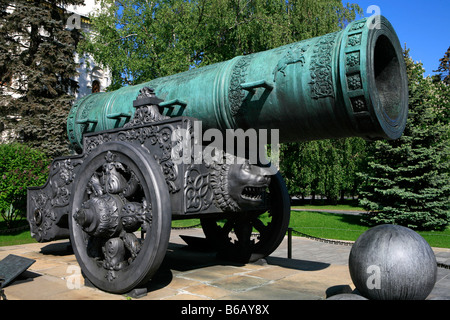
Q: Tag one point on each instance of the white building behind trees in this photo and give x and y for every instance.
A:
(91, 77)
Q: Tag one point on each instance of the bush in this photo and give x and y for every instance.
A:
(20, 167)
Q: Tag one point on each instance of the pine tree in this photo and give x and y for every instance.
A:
(36, 69)
(407, 180)
(444, 68)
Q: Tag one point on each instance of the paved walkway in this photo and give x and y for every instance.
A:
(315, 270)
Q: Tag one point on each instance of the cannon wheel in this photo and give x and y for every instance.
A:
(112, 257)
(233, 236)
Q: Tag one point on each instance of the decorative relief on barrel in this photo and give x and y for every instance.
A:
(321, 67)
(355, 85)
(236, 94)
(354, 82)
(358, 25)
(359, 104)
(353, 60)
(295, 54)
(71, 125)
(85, 112)
(354, 40)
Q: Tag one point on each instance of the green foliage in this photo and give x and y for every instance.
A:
(140, 40)
(407, 181)
(326, 168)
(20, 167)
(36, 70)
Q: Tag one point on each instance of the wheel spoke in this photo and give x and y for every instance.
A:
(114, 189)
(259, 226)
(114, 199)
(228, 227)
(270, 234)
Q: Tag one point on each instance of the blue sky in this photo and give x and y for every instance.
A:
(423, 25)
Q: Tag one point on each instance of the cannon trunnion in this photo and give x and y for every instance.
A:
(137, 167)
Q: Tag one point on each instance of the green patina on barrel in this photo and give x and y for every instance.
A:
(348, 83)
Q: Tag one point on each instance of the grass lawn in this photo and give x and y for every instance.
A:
(349, 227)
(15, 237)
(327, 225)
(344, 207)
(11, 239)
(186, 223)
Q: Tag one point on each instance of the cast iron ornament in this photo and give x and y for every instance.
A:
(116, 197)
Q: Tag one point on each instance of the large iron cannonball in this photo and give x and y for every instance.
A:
(391, 262)
(346, 296)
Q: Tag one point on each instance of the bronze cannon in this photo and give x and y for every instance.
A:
(142, 158)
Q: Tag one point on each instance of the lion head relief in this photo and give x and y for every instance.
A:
(239, 185)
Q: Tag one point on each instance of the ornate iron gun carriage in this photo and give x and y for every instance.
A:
(116, 198)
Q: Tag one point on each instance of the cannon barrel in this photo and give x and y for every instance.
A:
(349, 83)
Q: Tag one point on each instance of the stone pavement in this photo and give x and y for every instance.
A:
(315, 270)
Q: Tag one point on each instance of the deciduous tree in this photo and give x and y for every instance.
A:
(140, 40)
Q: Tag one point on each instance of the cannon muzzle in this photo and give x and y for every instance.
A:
(344, 84)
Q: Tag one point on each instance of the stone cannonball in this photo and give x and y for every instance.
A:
(391, 262)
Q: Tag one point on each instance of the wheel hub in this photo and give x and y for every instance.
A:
(100, 216)
(117, 195)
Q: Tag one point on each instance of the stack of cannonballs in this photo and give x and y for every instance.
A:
(391, 262)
